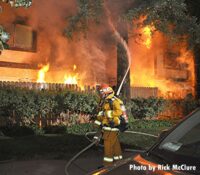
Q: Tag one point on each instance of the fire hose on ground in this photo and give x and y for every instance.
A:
(94, 142)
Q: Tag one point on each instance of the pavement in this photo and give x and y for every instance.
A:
(83, 165)
(88, 162)
(35, 167)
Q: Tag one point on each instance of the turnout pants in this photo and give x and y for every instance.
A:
(112, 148)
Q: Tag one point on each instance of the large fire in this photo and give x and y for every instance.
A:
(41, 74)
(66, 77)
(159, 63)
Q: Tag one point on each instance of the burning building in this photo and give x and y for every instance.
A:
(39, 52)
(159, 62)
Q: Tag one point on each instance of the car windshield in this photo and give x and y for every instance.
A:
(182, 145)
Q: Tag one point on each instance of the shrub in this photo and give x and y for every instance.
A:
(142, 108)
(189, 103)
(150, 124)
(25, 104)
(79, 102)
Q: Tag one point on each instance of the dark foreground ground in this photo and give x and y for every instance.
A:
(86, 163)
(48, 154)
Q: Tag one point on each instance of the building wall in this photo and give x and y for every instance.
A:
(16, 74)
(17, 63)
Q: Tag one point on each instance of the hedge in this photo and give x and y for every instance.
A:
(140, 108)
(26, 104)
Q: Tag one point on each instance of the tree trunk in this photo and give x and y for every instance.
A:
(197, 70)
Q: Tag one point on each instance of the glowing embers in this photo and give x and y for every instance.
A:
(147, 32)
(42, 73)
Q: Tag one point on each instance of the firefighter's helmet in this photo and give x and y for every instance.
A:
(106, 90)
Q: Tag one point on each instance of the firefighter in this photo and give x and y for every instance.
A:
(109, 120)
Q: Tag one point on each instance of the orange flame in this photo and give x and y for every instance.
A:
(71, 78)
(162, 64)
(74, 67)
(41, 74)
(68, 79)
(147, 33)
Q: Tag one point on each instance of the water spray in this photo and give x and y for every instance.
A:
(120, 39)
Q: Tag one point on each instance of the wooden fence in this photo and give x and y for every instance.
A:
(46, 86)
(143, 92)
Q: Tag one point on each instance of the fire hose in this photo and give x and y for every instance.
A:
(130, 132)
(77, 155)
(94, 142)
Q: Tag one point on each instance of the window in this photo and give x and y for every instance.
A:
(22, 38)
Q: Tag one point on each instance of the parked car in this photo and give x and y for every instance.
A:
(176, 152)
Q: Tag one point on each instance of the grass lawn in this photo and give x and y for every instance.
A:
(154, 127)
(56, 146)
(37, 147)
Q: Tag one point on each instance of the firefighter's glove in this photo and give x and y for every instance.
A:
(97, 139)
(100, 114)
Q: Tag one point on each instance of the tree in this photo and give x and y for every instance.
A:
(170, 17)
(4, 37)
(88, 11)
(19, 3)
(193, 8)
